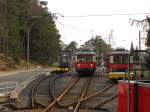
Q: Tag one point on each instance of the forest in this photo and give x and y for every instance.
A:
(28, 29)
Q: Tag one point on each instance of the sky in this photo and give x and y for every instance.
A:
(80, 20)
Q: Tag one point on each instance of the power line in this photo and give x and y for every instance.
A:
(75, 28)
(97, 15)
(66, 29)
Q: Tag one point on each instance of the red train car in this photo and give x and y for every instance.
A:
(134, 96)
(85, 62)
(117, 62)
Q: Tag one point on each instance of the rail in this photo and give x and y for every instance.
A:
(33, 90)
(82, 96)
(60, 97)
(8, 87)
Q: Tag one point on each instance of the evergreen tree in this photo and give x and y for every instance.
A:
(14, 30)
(44, 41)
(27, 16)
(131, 48)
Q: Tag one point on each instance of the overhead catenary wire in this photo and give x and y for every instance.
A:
(67, 29)
(101, 15)
(74, 28)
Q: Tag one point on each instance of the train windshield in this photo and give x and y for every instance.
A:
(89, 58)
(85, 58)
(64, 59)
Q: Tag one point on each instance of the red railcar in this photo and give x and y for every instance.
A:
(85, 62)
(117, 62)
(134, 96)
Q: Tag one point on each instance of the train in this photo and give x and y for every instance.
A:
(64, 59)
(63, 63)
(118, 64)
(84, 62)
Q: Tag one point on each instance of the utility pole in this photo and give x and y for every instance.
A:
(28, 37)
(29, 26)
(97, 50)
(140, 63)
(110, 37)
(139, 40)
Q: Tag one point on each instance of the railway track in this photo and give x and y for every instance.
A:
(71, 95)
(79, 96)
(100, 99)
(40, 93)
(65, 93)
(24, 98)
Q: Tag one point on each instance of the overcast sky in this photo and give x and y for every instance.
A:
(81, 29)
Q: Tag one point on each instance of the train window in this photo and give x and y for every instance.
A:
(81, 58)
(86, 58)
(89, 58)
(117, 59)
(125, 59)
(111, 59)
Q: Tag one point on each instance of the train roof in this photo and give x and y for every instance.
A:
(119, 52)
(83, 52)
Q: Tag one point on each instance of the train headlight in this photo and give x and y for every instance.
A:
(91, 65)
(78, 65)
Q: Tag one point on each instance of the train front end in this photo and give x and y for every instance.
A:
(85, 62)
